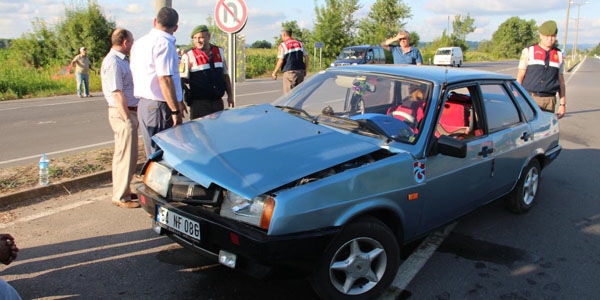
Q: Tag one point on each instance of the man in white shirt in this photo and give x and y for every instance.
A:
(155, 68)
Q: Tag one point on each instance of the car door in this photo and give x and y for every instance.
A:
(511, 135)
(456, 186)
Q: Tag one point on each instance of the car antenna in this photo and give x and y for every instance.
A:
(445, 76)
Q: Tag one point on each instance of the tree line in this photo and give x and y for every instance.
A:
(335, 26)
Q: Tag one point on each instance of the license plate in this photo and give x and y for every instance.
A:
(177, 223)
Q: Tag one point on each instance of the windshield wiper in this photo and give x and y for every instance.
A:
(299, 112)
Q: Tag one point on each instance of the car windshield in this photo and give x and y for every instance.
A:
(370, 104)
(352, 54)
(443, 52)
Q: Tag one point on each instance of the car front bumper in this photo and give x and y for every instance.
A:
(258, 254)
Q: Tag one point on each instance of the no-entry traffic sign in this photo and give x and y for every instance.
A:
(231, 15)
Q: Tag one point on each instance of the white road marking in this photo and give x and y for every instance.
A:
(57, 152)
(53, 211)
(415, 262)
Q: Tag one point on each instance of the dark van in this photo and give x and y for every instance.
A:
(358, 55)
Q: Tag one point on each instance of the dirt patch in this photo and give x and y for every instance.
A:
(15, 179)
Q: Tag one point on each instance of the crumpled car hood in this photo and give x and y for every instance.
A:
(253, 150)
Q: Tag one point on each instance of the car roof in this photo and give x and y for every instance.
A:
(429, 73)
(359, 47)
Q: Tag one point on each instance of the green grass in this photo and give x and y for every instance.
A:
(19, 81)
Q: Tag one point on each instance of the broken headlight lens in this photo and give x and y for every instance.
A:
(257, 211)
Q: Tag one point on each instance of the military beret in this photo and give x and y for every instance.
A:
(199, 28)
(549, 28)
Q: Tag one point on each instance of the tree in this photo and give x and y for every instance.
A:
(596, 50)
(38, 48)
(384, 20)
(84, 26)
(462, 26)
(333, 26)
(262, 44)
(512, 36)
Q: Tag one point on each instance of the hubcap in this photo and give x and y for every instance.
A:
(358, 266)
(530, 186)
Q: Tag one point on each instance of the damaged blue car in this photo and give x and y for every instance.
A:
(334, 178)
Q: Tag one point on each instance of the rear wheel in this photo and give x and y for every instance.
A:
(522, 198)
(360, 263)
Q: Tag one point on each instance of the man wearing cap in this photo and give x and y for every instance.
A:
(204, 69)
(404, 53)
(117, 86)
(292, 59)
(156, 81)
(82, 72)
(541, 71)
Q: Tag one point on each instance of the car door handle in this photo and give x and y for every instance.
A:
(485, 151)
(526, 136)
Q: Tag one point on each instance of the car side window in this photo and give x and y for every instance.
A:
(500, 110)
(525, 105)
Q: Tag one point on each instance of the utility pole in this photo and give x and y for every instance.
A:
(162, 3)
(577, 27)
(567, 25)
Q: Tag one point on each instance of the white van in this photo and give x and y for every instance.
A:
(448, 56)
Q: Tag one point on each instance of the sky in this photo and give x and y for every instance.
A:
(429, 17)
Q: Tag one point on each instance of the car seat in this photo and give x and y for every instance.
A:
(457, 115)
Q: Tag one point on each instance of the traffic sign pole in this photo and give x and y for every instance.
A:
(231, 17)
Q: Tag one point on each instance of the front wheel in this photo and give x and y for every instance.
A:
(360, 262)
(522, 198)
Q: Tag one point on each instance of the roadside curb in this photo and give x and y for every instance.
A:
(66, 187)
(55, 189)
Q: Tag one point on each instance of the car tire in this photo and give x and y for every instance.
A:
(364, 248)
(459, 64)
(522, 197)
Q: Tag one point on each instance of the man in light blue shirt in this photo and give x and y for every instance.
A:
(117, 86)
(404, 53)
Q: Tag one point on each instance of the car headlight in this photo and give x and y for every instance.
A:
(158, 178)
(257, 211)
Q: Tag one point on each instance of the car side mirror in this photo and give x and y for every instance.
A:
(450, 146)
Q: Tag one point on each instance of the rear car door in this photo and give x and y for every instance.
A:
(510, 133)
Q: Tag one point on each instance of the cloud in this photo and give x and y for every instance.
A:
(491, 7)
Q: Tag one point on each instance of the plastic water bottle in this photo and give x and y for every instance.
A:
(44, 176)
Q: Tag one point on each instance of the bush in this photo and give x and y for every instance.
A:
(260, 62)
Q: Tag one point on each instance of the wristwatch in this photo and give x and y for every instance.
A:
(174, 112)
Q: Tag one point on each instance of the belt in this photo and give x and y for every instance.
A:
(542, 94)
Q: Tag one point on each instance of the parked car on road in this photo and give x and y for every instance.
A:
(358, 55)
(448, 56)
(332, 179)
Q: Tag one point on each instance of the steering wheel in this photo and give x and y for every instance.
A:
(408, 119)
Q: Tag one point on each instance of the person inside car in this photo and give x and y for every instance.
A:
(412, 108)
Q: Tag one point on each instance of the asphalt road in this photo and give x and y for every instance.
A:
(62, 125)
(81, 246)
